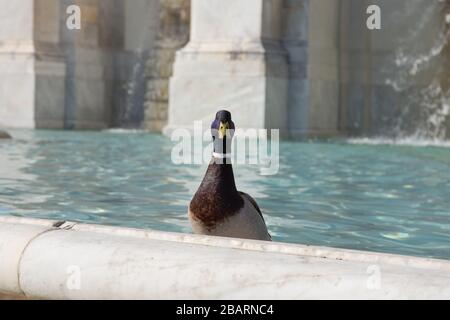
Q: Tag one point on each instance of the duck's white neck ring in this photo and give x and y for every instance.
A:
(221, 155)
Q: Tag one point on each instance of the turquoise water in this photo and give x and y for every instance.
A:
(384, 198)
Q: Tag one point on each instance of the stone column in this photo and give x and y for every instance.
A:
(323, 68)
(31, 66)
(49, 65)
(295, 40)
(16, 64)
(234, 61)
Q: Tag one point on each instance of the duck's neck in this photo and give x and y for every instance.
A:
(222, 150)
(219, 177)
(217, 196)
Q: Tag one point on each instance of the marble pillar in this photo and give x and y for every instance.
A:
(233, 61)
(323, 68)
(16, 64)
(49, 65)
(32, 67)
(295, 40)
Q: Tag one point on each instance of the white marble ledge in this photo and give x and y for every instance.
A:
(38, 257)
(246, 244)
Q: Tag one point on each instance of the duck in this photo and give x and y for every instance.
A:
(4, 135)
(217, 207)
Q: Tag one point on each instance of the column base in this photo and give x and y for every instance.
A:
(248, 79)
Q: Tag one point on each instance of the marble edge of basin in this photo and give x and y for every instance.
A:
(19, 234)
(256, 245)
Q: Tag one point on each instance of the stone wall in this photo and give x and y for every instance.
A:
(307, 67)
(93, 78)
(343, 79)
(53, 77)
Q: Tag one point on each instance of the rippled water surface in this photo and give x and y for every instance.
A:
(362, 196)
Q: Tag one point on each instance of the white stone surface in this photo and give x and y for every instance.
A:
(16, 20)
(234, 61)
(80, 261)
(17, 83)
(32, 73)
(13, 240)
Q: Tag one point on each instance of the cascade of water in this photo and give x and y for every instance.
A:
(131, 63)
(425, 112)
(131, 113)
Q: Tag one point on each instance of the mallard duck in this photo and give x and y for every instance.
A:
(217, 207)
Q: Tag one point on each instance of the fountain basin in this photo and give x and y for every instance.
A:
(371, 195)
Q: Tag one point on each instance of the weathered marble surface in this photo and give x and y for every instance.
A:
(309, 68)
(31, 68)
(92, 78)
(123, 263)
(14, 238)
(233, 60)
(7, 296)
(16, 64)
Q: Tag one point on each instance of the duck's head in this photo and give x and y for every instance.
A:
(222, 130)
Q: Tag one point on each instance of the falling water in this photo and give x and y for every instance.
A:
(425, 111)
(130, 65)
(131, 113)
